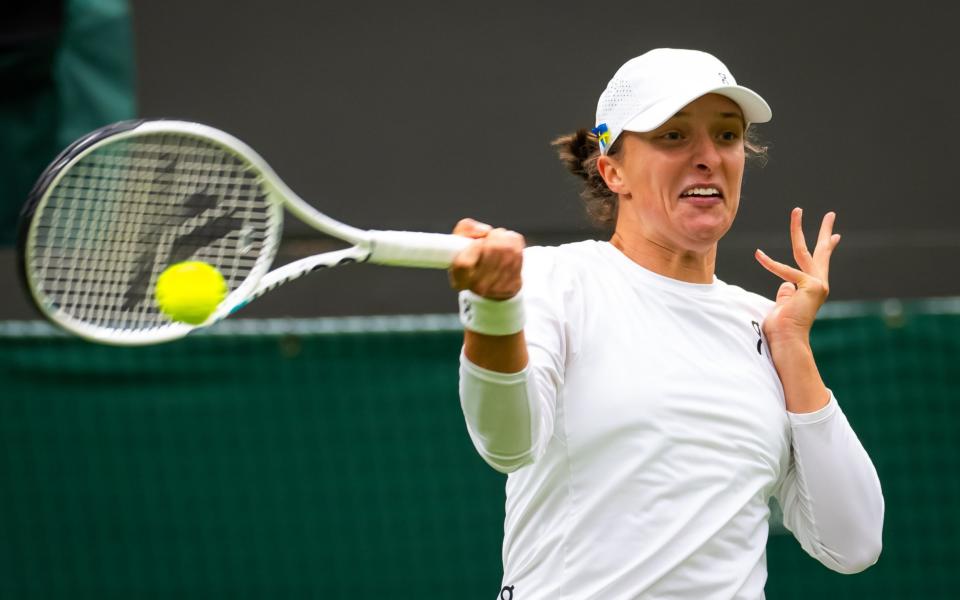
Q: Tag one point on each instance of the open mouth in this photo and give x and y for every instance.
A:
(705, 195)
(702, 192)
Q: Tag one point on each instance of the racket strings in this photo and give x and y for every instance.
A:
(125, 212)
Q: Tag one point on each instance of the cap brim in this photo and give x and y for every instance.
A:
(755, 109)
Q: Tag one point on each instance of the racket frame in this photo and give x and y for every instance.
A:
(384, 247)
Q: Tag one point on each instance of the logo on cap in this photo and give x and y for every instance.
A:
(603, 136)
(723, 78)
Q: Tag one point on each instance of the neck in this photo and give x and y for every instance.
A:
(686, 265)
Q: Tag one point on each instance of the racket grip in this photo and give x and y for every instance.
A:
(414, 249)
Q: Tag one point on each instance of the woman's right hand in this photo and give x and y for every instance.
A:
(490, 266)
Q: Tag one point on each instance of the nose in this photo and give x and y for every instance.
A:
(706, 158)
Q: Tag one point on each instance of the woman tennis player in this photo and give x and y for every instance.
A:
(644, 410)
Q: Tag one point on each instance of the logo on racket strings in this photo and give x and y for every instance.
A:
(183, 246)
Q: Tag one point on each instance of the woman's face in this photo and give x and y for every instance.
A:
(679, 185)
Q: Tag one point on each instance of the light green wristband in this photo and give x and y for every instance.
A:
(491, 317)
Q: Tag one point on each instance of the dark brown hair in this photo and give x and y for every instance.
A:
(579, 152)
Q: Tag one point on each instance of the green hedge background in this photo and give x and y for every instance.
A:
(329, 459)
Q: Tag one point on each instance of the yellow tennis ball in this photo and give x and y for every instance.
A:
(190, 291)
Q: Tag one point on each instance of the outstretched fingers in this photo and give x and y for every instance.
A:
(813, 271)
(785, 272)
(801, 253)
(826, 242)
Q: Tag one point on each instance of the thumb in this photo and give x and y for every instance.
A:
(471, 228)
(786, 291)
(464, 264)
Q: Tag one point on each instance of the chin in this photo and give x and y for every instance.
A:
(702, 245)
(707, 234)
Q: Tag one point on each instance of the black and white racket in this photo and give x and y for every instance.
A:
(125, 202)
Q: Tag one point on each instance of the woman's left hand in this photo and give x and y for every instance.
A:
(805, 289)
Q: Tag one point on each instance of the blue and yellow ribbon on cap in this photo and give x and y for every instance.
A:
(603, 136)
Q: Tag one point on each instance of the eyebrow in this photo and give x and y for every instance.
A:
(724, 115)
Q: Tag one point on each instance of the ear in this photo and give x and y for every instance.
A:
(612, 174)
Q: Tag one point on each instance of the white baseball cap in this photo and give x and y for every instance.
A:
(651, 88)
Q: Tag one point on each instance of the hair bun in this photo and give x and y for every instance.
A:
(575, 149)
(579, 151)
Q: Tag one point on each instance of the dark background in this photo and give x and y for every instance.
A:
(412, 115)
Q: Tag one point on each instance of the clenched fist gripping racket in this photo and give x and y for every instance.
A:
(125, 202)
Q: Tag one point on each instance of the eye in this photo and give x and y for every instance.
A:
(672, 136)
(729, 136)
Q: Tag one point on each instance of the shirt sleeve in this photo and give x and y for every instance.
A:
(830, 494)
(510, 416)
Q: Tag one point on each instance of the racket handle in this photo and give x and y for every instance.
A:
(414, 249)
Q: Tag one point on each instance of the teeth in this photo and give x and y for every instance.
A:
(702, 192)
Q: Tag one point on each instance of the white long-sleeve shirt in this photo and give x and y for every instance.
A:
(646, 436)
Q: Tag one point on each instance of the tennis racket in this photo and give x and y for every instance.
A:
(125, 202)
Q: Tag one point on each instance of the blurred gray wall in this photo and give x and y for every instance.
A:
(412, 115)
